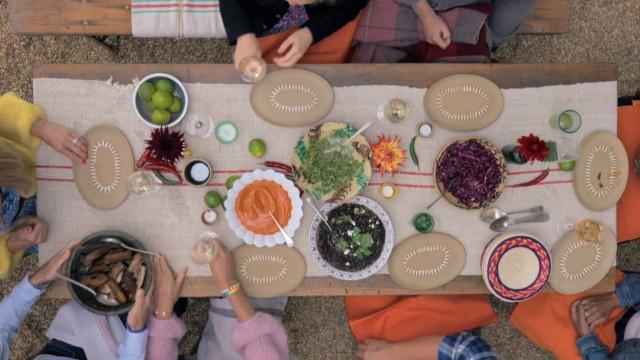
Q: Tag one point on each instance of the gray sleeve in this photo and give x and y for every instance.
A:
(407, 2)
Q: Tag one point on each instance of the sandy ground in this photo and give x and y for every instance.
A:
(601, 32)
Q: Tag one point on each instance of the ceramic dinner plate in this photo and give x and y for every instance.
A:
(103, 180)
(515, 266)
(426, 261)
(464, 102)
(292, 97)
(579, 265)
(268, 272)
(601, 171)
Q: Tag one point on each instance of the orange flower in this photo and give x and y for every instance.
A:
(387, 155)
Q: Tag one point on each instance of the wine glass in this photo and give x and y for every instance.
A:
(142, 182)
(567, 153)
(198, 125)
(252, 69)
(204, 251)
(394, 110)
(566, 224)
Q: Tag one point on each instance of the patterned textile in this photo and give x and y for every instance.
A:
(177, 18)
(390, 32)
(465, 346)
(294, 18)
(15, 207)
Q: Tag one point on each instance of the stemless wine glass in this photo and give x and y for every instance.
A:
(568, 121)
(252, 69)
(198, 125)
(567, 153)
(142, 182)
(394, 110)
(204, 251)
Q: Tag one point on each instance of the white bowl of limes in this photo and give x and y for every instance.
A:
(160, 99)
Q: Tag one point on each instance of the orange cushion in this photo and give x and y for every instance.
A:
(334, 49)
(401, 318)
(546, 321)
(629, 205)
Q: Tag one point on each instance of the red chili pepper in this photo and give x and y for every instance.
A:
(543, 175)
(287, 169)
(143, 159)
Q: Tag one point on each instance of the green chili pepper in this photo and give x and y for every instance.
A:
(412, 152)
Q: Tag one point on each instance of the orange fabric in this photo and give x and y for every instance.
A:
(546, 321)
(629, 205)
(334, 49)
(402, 318)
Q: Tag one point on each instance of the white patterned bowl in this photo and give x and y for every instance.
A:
(373, 268)
(257, 239)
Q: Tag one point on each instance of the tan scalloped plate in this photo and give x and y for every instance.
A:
(292, 98)
(103, 180)
(427, 261)
(464, 102)
(578, 265)
(601, 171)
(268, 272)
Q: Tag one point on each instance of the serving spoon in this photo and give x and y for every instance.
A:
(286, 236)
(117, 242)
(313, 206)
(504, 223)
(493, 213)
(77, 283)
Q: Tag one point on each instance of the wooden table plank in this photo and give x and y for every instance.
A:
(418, 75)
(113, 17)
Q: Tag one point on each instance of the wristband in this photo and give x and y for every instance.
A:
(129, 329)
(231, 290)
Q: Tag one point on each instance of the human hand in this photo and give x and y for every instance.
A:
(372, 349)
(579, 318)
(65, 141)
(50, 269)
(598, 308)
(298, 43)
(247, 46)
(167, 287)
(139, 313)
(222, 266)
(436, 31)
(34, 233)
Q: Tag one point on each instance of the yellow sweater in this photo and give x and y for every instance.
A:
(16, 118)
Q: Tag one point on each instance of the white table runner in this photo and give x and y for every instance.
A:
(169, 220)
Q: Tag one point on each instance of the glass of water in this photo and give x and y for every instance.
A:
(142, 182)
(568, 121)
(394, 110)
(198, 125)
(252, 69)
(204, 250)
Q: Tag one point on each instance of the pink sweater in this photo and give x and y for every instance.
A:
(260, 338)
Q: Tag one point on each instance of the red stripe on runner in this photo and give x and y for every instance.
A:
(54, 167)
(55, 180)
(531, 171)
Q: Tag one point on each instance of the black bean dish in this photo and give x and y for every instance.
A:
(356, 240)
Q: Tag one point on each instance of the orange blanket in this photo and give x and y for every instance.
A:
(546, 321)
(402, 318)
(334, 49)
(629, 204)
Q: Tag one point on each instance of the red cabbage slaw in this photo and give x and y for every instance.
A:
(470, 172)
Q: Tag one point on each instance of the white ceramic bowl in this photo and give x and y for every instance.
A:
(145, 115)
(256, 239)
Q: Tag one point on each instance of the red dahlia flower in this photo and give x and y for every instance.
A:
(533, 148)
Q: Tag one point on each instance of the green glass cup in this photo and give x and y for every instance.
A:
(568, 121)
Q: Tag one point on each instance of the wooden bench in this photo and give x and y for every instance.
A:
(113, 17)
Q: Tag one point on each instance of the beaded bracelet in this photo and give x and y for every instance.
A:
(231, 290)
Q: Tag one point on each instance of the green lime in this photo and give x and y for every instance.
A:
(160, 117)
(146, 90)
(165, 84)
(565, 121)
(149, 106)
(176, 107)
(423, 222)
(162, 99)
(257, 148)
(567, 165)
(230, 181)
(213, 199)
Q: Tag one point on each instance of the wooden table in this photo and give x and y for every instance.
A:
(113, 17)
(417, 75)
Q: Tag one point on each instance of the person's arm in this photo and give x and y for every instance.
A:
(134, 346)
(13, 244)
(13, 309)
(436, 31)
(325, 19)
(591, 348)
(17, 116)
(236, 20)
(628, 291)
(164, 336)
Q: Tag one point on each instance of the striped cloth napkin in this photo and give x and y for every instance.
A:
(177, 18)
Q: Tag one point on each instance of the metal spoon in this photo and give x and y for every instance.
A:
(78, 284)
(504, 223)
(492, 214)
(115, 241)
(360, 131)
(286, 236)
(313, 206)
